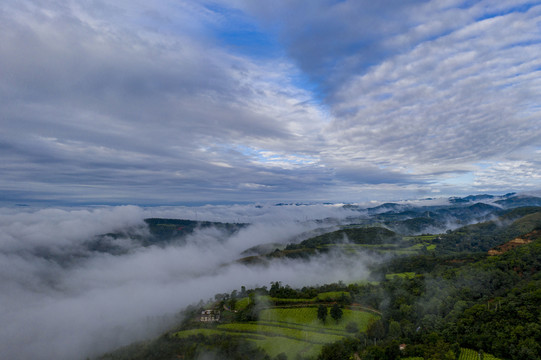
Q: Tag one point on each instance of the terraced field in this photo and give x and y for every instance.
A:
(467, 354)
(405, 275)
(282, 330)
(293, 330)
(332, 295)
(307, 318)
(325, 296)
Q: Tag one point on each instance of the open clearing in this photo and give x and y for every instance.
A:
(293, 330)
(467, 354)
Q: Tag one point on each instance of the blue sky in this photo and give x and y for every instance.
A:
(175, 102)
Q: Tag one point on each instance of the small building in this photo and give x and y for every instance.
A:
(209, 316)
(402, 347)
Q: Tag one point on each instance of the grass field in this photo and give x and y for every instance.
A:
(332, 295)
(290, 330)
(292, 301)
(278, 330)
(408, 275)
(307, 317)
(326, 296)
(273, 342)
(424, 241)
(242, 303)
(274, 346)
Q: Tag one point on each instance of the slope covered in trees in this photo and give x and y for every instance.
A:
(446, 298)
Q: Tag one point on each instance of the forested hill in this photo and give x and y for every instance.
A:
(408, 219)
(154, 232)
(474, 291)
(168, 229)
(484, 236)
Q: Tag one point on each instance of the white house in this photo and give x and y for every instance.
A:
(209, 316)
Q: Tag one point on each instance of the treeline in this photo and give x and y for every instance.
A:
(277, 290)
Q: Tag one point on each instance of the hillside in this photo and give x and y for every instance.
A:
(169, 229)
(441, 295)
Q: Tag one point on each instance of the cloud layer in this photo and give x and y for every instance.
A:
(63, 300)
(191, 101)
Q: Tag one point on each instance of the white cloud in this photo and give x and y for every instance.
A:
(138, 103)
(463, 97)
(105, 98)
(509, 174)
(99, 302)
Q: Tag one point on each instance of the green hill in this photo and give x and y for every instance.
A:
(454, 302)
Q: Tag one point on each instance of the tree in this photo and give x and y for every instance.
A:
(336, 312)
(376, 329)
(340, 350)
(322, 312)
(275, 289)
(232, 304)
(394, 329)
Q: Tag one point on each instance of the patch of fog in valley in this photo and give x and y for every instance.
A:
(63, 300)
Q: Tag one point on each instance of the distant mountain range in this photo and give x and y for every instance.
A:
(415, 219)
(403, 219)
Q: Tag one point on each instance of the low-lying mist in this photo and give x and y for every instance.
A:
(89, 302)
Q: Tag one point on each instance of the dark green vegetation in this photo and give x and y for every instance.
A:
(156, 232)
(408, 219)
(459, 299)
(169, 229)
(484, 236)
(351, 240)
(438, 296)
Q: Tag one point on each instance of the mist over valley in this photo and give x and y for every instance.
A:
(80, 282)
(270, 180)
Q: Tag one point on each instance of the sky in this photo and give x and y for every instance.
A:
(231, 101)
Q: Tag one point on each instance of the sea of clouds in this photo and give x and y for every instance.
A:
(61, 300)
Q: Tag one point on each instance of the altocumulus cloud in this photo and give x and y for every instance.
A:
(422, 92)
(191, 101)
(63, 300)
(94, 96)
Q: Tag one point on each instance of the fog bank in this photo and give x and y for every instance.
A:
(92, 302)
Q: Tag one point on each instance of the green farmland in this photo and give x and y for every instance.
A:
(467, 354)
(404, 275)
(293, 330)
(306, 317)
